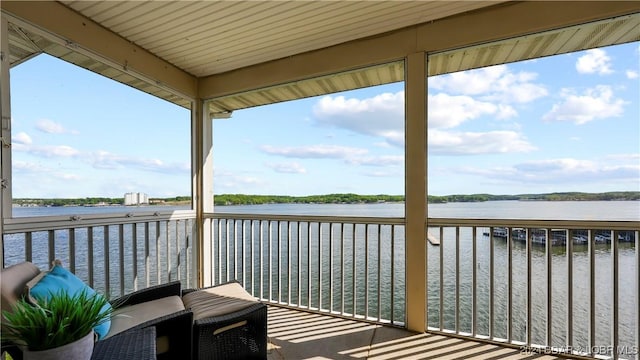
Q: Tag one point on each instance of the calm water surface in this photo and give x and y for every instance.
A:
(564, 210)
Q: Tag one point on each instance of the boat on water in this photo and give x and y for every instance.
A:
(559, 236)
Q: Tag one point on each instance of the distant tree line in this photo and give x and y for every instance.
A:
(241, 199)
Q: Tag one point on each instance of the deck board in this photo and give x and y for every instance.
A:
(296, 335)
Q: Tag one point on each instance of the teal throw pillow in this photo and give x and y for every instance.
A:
(60, 279)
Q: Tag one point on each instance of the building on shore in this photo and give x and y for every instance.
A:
(136, 199)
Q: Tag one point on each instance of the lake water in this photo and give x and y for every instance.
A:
(564, 210)
(547, 210)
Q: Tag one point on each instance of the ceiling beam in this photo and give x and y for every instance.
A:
(55, 18)
(485, 25)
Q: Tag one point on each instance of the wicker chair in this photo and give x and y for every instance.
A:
(173, 328)
(228, 323)
(173, 331)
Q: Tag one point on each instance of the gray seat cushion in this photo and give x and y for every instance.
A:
(217, 300)
(126, 317)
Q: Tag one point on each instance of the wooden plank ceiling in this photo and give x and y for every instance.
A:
(210, 37)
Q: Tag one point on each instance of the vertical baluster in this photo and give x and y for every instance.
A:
(474, 287)
(549, 306)
(366, 271)
(441, 274)
(592, 289)
(252, 256)
(51, 241)
(243, 254)
(134, 250)
(178, 254)
(457, 313)
(342, 261)
(270, 272)
(614, 294)
(569, 327)
(187, 254)
(353, 270)
(637, 236)
(28, 246)
(509, 285)
(319, 266)
(308, 265)
(90, 256)
(393, 271)
(220, 249)
(491, 286)
(72, 250)
(260, 250)
(278, 260)
(426, 279)
(289, 302)
(529, 235)
(330, 267)
(107, 279)
(378, 261)
(235, 249)
(227, 251)
(121, 256)
(168, 246)
(158, 266)
(299, 264)
(147, 260)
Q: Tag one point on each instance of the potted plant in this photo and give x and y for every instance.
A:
(60, 327)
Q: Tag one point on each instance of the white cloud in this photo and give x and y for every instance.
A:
(229, 182)
(24, 166)
(54, 151)
(383, 115)
(287, 168)
(473, 143)
(447, 111)
(314, 151)
(374, 116)
(595, 103)
(52, 127)
(561, 171)
(495, 83)
(594, 61)
(385, 160)
(106, 160)
(382, 174)
(632, 74)
(21, 138)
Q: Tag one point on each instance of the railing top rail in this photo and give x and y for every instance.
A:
(538, 223)
(309, 218)
(43, 223)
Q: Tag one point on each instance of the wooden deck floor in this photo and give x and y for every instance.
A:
(297, 335)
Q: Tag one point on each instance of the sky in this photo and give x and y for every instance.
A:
(564, 123)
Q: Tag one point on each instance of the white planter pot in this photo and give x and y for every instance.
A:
(78, 350)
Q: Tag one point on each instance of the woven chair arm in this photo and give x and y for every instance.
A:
(227, 319)
(148, 294)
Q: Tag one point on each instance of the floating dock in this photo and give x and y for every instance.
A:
(432, 239)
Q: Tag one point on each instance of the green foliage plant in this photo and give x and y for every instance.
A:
(51, 323)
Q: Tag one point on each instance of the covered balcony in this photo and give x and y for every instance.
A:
(375, 283)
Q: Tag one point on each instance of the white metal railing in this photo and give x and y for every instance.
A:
(347, 266)
(113, 253)
(555, 287)
(492, 280)
(529, 293)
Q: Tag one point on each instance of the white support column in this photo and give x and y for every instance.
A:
(416, 190)
(202, 164)
(5, 141)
